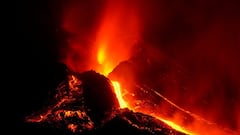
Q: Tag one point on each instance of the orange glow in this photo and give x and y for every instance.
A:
(72, 127)
(73, 82)
(124, 104)
(117, 90)
(175, 126)
(101, 55)
(116, 35)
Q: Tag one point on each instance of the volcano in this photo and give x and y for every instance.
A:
(85, 103)
(136, 67)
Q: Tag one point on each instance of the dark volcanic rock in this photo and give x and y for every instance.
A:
(99, 95)
(85, 103)
(122, 122)
(128, 122)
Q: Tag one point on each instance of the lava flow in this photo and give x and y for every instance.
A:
(124, 104)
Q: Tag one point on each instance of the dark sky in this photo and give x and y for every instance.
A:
(39, 35)
(35, 62)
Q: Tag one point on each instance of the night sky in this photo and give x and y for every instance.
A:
(36, 69)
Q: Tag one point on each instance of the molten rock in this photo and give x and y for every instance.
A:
(86, 96)
(86, 103)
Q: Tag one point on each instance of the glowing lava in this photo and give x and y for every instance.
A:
(117, 90)
(175, 126)
(124, 104)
